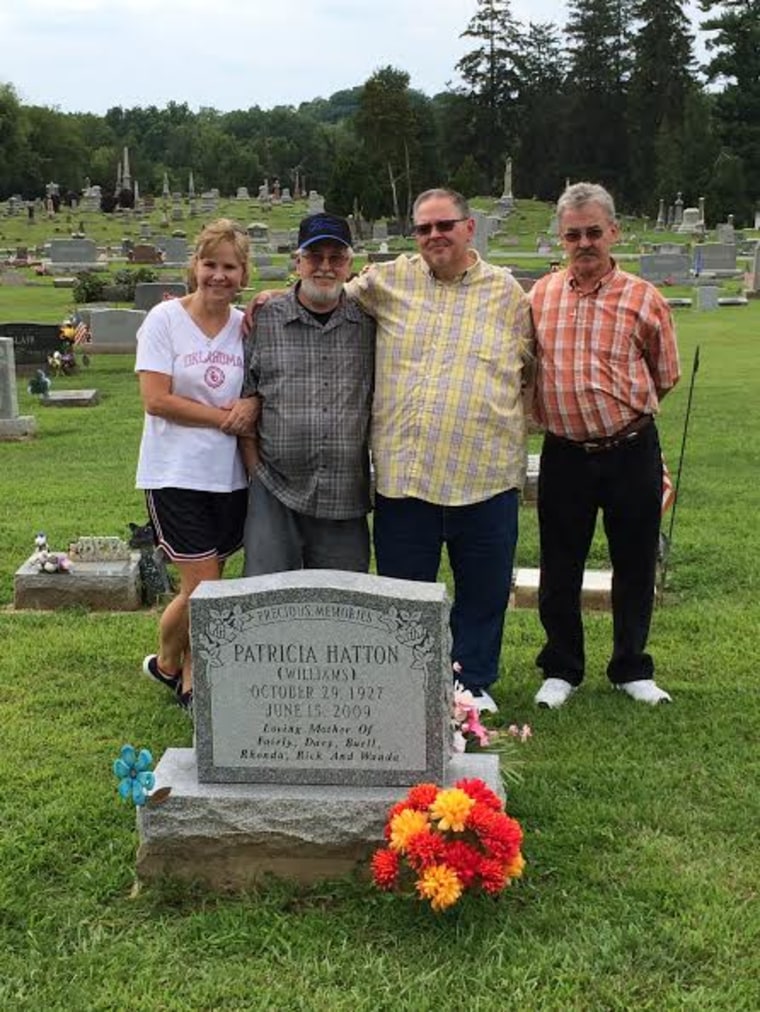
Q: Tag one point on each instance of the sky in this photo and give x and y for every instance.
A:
(92, 55)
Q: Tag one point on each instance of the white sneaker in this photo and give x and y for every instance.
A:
(645, 690)
(553, 693)
(483, 702)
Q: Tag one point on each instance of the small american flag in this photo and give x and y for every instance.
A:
(81, 333)
(668, 489)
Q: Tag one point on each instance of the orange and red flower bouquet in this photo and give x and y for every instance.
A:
(444, 841)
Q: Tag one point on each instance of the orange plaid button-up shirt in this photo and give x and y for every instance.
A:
(604, 357)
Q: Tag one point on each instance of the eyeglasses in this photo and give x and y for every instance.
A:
(316, 258)
(445, 225)
(576, 234)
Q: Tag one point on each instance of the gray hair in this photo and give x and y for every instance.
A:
(579, 194)
(441, 192)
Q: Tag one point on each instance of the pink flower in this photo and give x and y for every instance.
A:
(521, 731)
(472, 725)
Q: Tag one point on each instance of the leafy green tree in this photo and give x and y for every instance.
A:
(13, 135)
(492, 73)
(596, 144)
(662, 77)
(735, 62)
(468, 179)
(387, 126)
(538, 156)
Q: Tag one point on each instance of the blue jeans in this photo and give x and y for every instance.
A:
(480, 539)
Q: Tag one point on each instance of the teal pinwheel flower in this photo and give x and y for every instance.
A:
(136, 778)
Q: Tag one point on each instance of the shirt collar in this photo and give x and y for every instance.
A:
(467, 277)
(604, 280)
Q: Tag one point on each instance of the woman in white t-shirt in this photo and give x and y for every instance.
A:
(190, 367)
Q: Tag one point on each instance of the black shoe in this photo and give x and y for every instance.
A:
(185, 700)
(151, 669)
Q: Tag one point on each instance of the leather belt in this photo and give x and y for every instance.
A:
(627, 434)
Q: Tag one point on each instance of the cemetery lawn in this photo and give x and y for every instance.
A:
(641, 825)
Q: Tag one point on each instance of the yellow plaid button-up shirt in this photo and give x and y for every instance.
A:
(447, 418)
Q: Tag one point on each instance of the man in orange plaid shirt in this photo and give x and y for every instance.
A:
(607, 355)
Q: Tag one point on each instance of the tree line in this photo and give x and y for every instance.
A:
(615, 95)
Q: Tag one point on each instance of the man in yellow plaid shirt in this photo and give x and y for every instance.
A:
(448, 437)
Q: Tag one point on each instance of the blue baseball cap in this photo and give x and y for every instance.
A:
(317, 227)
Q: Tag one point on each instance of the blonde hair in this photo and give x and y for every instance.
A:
(209, 240)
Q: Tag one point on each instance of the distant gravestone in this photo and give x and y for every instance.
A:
(116, 327)
(596, 590)
(145, 253)
(480, 235)
(32, 342)
(379, 231)
(70, 399)
(73, 251)
(754, 285)
(530, 488)
(258, 232)
(12, 279)
(691, 221)
(718, 257)
(174, 250)
(321, 677)
(725, 233)
(658, 268)
(110, 585)
(149, 293)
(261, 260)
(707, 297)
(316, 203)
(269, 273)
(12, 425)
(93, 548)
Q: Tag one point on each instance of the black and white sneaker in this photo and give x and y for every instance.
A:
(151, 669)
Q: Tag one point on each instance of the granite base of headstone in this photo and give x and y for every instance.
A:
(107, 585)
(320, 697)
(230, 837)
(596, 592)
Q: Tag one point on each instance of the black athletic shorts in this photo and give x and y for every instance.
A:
(192, 525)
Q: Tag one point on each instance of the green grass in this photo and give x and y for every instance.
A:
(641, 890)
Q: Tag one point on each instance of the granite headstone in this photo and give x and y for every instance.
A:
(321, 677)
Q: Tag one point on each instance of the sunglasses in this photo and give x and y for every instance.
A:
(445, 225)
(333, 259)
(576, 234)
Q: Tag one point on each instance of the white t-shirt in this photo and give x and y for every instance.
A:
(208, 370)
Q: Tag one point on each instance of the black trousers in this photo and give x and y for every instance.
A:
(625, 483)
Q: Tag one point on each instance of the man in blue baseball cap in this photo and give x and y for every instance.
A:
(311, 365)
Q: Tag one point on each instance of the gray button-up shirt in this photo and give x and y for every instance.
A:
(316, 386)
